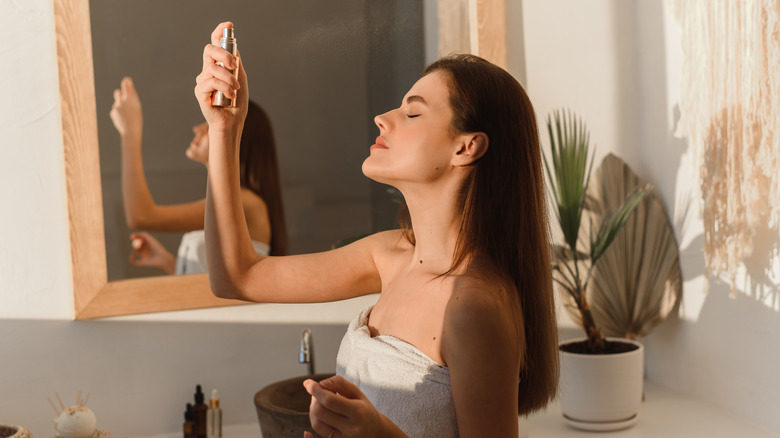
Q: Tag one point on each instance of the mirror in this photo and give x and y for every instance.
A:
(310, 66)
(94, 295)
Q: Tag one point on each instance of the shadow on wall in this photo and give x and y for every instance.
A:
(762, 279)
(147, 370)
(727, 356)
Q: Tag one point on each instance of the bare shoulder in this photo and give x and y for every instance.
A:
(477, 301)
(479, 314)
(386, 242)
(391, 240)
(252, 203)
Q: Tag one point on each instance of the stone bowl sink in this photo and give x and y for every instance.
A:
(283, 407)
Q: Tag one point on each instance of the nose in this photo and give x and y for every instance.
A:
(382, 122)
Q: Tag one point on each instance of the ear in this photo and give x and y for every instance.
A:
(472, 146)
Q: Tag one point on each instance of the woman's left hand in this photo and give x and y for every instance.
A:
(148, 251)
(339, 409)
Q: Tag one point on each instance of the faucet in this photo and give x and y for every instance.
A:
(307, 350)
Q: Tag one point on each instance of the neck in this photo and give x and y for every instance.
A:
(436, 221)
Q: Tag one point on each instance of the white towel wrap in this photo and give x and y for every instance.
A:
(401, 381)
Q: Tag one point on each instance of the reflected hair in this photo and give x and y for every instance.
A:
(259, 172)
(504, 211)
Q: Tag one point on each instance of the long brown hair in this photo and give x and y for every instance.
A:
(259, 170)
(504, 211)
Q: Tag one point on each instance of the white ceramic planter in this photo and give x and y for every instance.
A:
(601, 392)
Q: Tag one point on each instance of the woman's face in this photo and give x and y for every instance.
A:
(199, 146)
(415, 142)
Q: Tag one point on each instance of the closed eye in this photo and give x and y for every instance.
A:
(411, 116)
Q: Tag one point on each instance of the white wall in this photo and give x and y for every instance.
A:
(616, 63)
(35, 256)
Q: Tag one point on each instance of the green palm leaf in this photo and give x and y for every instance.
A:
(613, 222)
(571, 165)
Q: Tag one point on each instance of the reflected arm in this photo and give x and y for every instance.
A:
(141, 212)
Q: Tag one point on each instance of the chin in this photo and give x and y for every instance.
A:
(372, 172)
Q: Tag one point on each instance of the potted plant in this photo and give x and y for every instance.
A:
(601, 378)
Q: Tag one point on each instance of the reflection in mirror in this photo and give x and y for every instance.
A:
(321, 70)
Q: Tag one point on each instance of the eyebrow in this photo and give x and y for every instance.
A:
(416, 98)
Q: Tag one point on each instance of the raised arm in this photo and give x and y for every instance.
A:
(141, 212)
(235, 270)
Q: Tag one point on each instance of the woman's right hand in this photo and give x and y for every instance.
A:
(148, 251)
(126, 110)
(213, 78)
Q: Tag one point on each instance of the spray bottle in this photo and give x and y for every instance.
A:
(227, 42)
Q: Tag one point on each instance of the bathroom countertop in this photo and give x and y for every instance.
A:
(336, 312)
(664, 413)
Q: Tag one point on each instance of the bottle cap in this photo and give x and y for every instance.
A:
(198, 395)
(227, 32)
(214, 402)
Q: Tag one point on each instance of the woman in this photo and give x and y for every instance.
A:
(261, 198)
(466, 309)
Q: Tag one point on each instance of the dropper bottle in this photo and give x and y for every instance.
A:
(199, 410)
(214, 417)
(189, 425)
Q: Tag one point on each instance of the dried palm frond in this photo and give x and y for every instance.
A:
(638, 280)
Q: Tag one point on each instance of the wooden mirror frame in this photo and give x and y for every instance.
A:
(93, 295)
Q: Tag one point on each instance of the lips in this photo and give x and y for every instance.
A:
(379, 144)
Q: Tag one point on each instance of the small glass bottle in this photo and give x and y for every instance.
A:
(214, 417)
(189, 425)
(199, 410)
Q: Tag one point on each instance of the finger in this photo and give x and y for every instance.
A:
(127, 85)
(242, 80)
(217, 33)
(213, 54)
(117, 96)
(124, 86)
(329, 399)
(307, 434)
(324, 421)
(204, 89)
(222, 74)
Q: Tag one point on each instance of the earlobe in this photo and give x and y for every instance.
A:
(472, 148)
